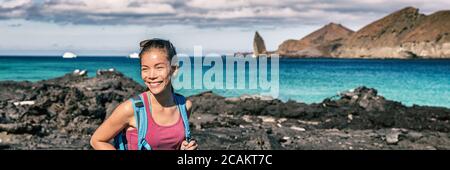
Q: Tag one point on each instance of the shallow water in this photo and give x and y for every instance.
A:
(422, 82)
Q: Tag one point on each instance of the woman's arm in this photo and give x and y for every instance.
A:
(122, 117)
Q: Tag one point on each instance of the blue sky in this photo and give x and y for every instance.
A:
(115, 27)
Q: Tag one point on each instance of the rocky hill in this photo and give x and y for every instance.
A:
(403, 34)
(317, 44)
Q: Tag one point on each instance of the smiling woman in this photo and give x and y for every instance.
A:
(156, 118)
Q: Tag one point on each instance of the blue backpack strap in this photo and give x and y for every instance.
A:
(181, 102)
(140, 114)
(120, 141)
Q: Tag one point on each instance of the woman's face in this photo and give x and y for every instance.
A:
(156, 70)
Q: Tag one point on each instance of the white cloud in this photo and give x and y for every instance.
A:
(252, 13)
(230, 4)
(226, 25)
(13, 8)
(109, 7)
(10, 4)
(217, 4)
(207, 13)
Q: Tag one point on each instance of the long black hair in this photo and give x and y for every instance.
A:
(160, 44)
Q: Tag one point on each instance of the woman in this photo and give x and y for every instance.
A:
(165, 127)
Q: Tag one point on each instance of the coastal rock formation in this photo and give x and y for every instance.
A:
(317, 44)
(363, 106)
(403, 34)
(259, 49)
(259, 46)
(356, 119)
(62, 113)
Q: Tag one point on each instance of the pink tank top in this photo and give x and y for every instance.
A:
(159, 137)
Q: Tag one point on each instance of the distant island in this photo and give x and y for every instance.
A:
(404, 34)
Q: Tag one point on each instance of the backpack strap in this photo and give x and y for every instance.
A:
(181, 102)
(120, 141)
(140, 114)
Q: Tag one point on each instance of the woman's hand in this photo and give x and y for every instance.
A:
(192, 145)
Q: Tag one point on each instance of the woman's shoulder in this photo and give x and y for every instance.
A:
(125, 108)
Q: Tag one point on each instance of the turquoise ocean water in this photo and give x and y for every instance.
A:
(422, 82)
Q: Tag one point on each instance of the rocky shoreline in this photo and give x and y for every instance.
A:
(62, 113)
